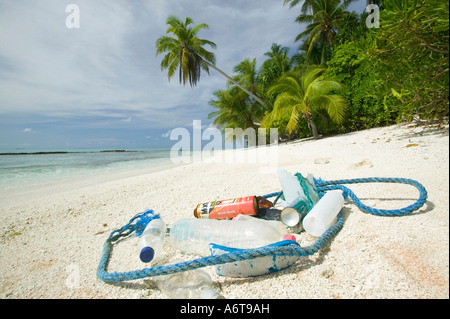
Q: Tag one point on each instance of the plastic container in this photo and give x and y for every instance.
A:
(151, 241)
(291, 186)
(324, 213)
(191, 284)
(278, 225)
(194, 235)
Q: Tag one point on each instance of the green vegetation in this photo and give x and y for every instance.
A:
(347, 74)
(301, 93)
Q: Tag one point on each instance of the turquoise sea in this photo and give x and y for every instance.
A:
(38, 168)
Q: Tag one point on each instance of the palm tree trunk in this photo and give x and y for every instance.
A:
(313, 127)
(322, 58)
(236, 83)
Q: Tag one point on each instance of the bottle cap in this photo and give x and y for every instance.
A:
(289, 237)
(147, 254)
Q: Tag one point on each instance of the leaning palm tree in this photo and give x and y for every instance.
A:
(301, 93)
(186, 52)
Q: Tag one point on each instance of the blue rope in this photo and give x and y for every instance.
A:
(323, 186)
(138, 222)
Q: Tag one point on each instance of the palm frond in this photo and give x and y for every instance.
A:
(335, 105)
(198, 27)
(300, 92)
(288, 83)
(311, 75)
(294, 119)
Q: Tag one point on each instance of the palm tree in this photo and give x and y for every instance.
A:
(323, 18)
(279, 56)
(301, 93)
(235, 109)
(292, 3)
(186, 52)
(232, 111)
(246, 74)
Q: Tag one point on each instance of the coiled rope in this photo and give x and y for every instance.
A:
(139, 221)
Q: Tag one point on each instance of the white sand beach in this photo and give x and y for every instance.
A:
(51, 241)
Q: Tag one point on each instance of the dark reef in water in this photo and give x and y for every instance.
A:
(63, 152)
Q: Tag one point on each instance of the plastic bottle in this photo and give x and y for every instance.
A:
(291, 186)
(194, 235)
(151, 241)
(278, 225)
(293, 191)
(324, 213)
(191, 284)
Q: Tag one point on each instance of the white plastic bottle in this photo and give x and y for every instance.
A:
(193, 235)
(324, 213)
(151, 241)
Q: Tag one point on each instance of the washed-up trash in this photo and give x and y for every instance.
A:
(269, 213)
(324, 213)
(241, 245)
(192, 284)
(293, 213)
(263, 203)
(298, 198)
(297, 186)
(151, 241)
(257, 266)
(227, 209)
(279, 226)
(193, 235)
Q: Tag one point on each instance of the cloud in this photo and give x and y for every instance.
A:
(27, 130)
(105, 74)
(166, 134)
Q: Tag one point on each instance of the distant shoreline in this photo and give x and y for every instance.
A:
(65, 152)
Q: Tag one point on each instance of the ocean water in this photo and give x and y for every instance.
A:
(37, 169)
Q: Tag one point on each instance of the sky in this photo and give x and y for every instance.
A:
(99, 84)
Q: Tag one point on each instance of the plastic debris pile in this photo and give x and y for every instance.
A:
(243, 237)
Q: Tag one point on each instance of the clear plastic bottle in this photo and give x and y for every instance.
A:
(191, 284)
(194, 235)
(278, 225)
(151, 241)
